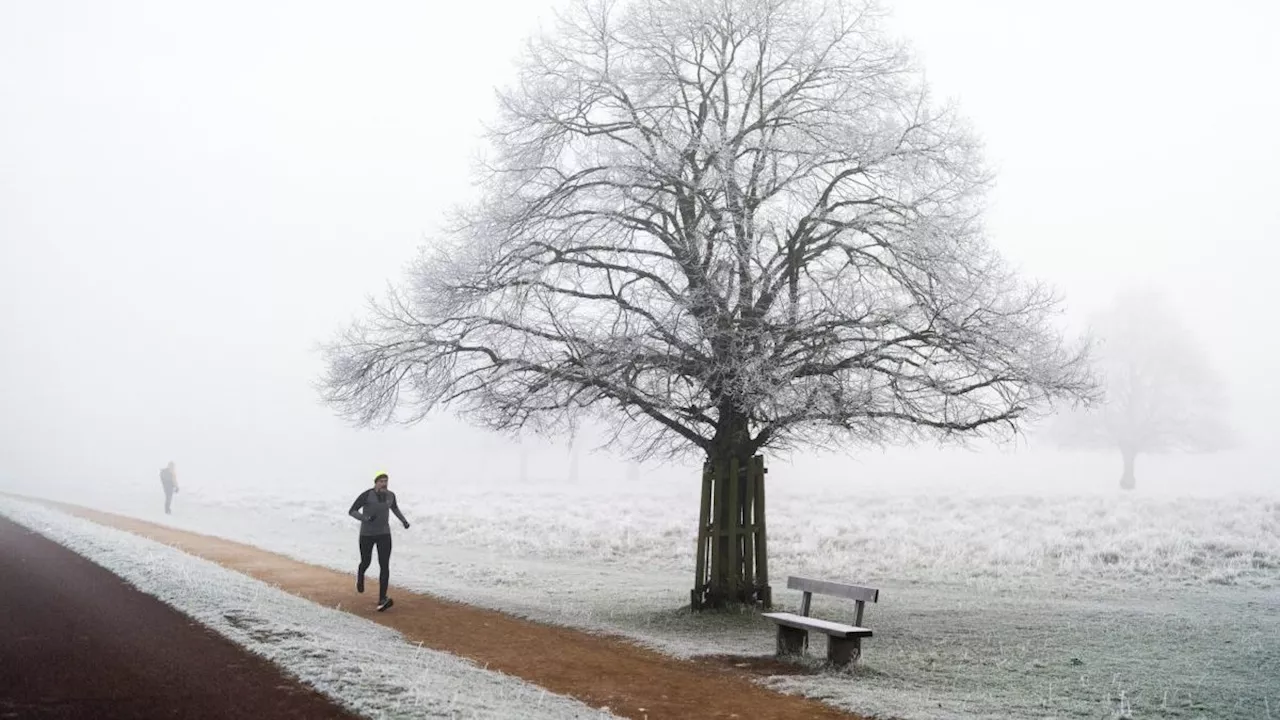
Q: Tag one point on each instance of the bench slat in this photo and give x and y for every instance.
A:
(824, 587)
(823, 626)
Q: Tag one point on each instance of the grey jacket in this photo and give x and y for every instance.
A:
(373, 510)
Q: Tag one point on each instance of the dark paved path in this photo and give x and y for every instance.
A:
(78, 642)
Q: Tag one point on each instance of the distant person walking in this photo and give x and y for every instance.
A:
(169, 481)
(372, 508)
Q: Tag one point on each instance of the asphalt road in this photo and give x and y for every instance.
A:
(78, 642)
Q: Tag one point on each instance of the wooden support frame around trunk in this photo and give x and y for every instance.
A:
(732, 552)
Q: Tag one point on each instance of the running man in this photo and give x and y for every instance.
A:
(169, 481)
(372, 508)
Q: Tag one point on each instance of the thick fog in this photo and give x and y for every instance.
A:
(193, 197)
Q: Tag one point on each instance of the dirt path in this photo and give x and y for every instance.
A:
(79, 642)
(601, 671)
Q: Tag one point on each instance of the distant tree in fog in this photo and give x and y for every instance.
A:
(1161, 395)
(713, 228)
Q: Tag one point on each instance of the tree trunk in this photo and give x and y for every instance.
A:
(1127, 480)
(736, 569)
(728, 582)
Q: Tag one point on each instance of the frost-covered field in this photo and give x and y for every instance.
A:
(361, 665)
(1096, 606)
(1190, 541)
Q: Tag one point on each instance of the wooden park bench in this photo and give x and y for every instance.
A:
(844, 642)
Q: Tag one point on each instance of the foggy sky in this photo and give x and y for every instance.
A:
(193, 196)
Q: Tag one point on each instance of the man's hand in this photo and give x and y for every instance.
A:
(406, 524)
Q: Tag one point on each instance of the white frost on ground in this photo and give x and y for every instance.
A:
(365, 667)
(991, 607)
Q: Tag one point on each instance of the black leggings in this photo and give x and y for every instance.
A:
(384, 559)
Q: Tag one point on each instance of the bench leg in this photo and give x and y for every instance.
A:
(791, 641)
(842, 652)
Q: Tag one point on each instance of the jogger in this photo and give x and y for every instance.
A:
(372, 508)
(169, 481)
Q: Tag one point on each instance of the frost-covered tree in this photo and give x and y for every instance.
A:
(713, 227)
(1161, 395)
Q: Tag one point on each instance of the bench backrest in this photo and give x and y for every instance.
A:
(859, 595)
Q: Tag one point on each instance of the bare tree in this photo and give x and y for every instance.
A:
(712, 227)
(1161, 393)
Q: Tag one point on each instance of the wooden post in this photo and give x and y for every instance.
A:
(701, 575)
(733, 531)
(748, 524)
(720, 534)
(764, 594)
